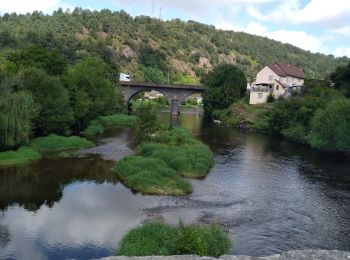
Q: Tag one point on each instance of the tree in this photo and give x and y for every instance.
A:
(35, 56)
(224, 85)
(330, 127)
(55, 113)
(92, 93)
(147, 121)
(341, 78)
(16, 112)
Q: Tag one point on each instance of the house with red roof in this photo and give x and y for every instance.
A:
(278, 79)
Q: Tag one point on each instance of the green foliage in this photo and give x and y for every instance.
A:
(151, 176)
(54, 113)
(341, 78)
(54, 142)
(92, 94)
(177, 147)
(270, 98)
(22, 156)
(117, 120)
(163, 159)
(147, 121)
(149, 239)
(243, 115)
(193, 161)
(16, 112)
(35, 56)
(94, 128)
(157, 238)
(330, 127)
(225, 85)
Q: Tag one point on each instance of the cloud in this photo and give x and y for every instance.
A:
(20, 6)
(330, 13)
(342, 51)
(345, 31)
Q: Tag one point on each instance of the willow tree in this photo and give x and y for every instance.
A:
(16, 112)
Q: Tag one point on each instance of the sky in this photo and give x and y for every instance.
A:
(316, 25)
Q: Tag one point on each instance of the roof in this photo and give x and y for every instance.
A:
(287, 70)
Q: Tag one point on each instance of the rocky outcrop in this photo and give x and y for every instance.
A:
(182, 66)
(128, 53)
(204, 63)
(290, 255)
(229, 59)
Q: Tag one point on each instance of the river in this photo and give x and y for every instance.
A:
(271, 195)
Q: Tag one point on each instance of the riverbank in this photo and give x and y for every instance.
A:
(289, 255)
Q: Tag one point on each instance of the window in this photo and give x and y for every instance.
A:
(277, 87)
(260, 95)
(270, 78)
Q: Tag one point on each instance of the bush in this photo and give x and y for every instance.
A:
(150, 176)
(54, 142)
(98, 126)
(330, 127)
(21, 156)
(157, 238)
(147, 122)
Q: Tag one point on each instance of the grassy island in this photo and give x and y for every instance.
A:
(54, 142)
(163, 160)
(157, 238)
(98, 126)
(22, 156)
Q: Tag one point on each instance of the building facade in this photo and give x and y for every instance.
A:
(277, 79)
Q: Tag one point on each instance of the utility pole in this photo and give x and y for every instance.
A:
(160, 13)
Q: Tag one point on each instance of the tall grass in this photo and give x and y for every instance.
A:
(21, 156)
(98, 126)
(168, 155)
(177, 147)
(157, 238)
(192, 161)
(150, 176)
(54, 142)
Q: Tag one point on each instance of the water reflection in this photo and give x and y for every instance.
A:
(270, 194)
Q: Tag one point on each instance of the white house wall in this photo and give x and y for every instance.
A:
(264, 74)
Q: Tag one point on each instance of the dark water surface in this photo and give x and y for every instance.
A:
(270, 194)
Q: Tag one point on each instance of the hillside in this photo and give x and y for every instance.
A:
(150, 49)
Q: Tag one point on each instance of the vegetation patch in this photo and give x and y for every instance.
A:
(22, 156)
(246, 116)
(98, 126)
(162, 160)
(54, 142)
(157, 238)
(151, 176)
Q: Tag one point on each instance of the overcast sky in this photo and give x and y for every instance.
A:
(315, 25)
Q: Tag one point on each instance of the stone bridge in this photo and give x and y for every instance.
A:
(175, 94)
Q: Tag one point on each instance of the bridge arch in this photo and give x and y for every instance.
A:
(175, 94)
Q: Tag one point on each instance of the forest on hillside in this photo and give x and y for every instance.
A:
(150, 49)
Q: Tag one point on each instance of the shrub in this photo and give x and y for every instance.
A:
(54, 142)
(94, 128)
(117, 120)
(330, 127)
(146, 123)
(157, 238)
(21, 156)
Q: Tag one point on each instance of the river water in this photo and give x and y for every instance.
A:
(270, 195)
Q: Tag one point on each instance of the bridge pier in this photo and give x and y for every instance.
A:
(175, 107)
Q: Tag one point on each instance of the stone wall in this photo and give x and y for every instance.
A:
(290, 255)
